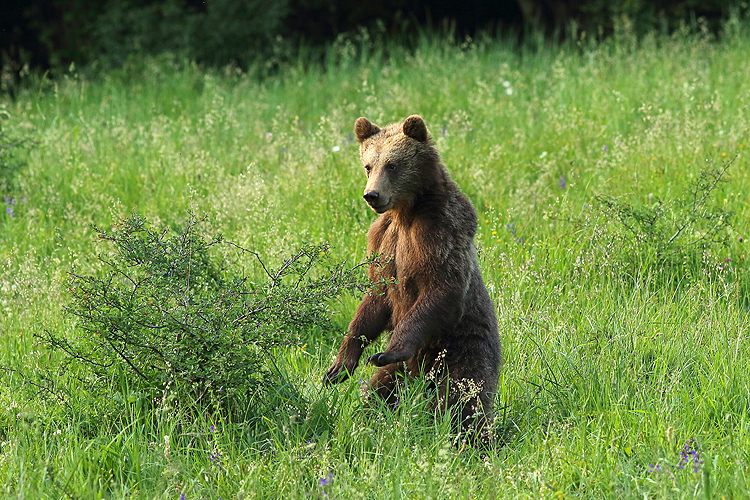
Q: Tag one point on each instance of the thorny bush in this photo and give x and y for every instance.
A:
(671, 239)
(173, 318)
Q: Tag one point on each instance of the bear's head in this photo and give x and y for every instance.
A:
(400, 162)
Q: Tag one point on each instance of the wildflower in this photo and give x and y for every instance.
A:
(213, 429)
(605, 148)
(509, 91)
(650, 197)
(182, 496)
(13, 201)
(561, 184)
(688, 454)
(325, 481)
(215, 458)
(445, 129)
(512, 228)
(335, 149)
(740, 239)
(9, 211)
(654, 468)
(23, 200)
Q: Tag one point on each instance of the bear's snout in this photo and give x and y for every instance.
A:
(371, 197)
(377, 202)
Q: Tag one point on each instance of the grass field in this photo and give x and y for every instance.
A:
(626, 342)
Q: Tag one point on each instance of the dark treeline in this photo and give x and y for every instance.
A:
(50, 34)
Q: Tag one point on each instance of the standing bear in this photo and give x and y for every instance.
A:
(430, 294)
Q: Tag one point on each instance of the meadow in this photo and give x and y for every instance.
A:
(610, 237)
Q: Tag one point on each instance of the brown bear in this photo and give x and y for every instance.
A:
(431, 295)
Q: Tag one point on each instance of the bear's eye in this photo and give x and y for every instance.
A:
(391, 166)
(367, 169)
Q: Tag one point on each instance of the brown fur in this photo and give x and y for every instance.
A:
(439, 312)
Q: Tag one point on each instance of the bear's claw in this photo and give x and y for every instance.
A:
(335, 375)
(379, 359)
(387, 358)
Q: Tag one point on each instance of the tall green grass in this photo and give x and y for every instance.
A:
(612, 365)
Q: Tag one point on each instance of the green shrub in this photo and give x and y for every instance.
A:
(671, 239)
(170, 318)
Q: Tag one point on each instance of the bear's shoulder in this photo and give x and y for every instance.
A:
(452, 212)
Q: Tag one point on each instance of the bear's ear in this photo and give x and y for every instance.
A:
(415, 128)
(365, 129)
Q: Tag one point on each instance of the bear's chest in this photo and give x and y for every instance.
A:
(406, 262)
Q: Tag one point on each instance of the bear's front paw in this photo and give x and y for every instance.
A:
(335, 375)
(386, 358)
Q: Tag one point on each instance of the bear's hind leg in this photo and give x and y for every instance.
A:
(472, 405)
(385, 383)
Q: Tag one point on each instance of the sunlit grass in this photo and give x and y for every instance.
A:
(609, 370)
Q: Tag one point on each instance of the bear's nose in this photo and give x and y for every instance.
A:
(371, 196)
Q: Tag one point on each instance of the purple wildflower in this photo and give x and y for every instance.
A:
(688, 454)
(23, 200)
(654, 468)
(512, 228)
(445, 130)
(215, 458)
(7, 201)
(182, 496)
(740, 239)
(213, 429)
(9, 211)
(325, 481)
(13, 201)
(605, 148)
(561, 184)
